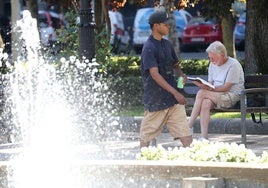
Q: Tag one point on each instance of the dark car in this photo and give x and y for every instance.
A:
(199, 33)
(239, 32)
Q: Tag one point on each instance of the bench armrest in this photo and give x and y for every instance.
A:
(255, 90)
(243, 96)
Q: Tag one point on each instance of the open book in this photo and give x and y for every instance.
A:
(202, 81)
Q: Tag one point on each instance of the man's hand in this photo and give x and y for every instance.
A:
(180, 98)
(184, 78)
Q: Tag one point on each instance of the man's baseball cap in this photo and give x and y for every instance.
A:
(159, 17)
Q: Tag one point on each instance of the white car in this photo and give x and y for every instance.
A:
(47, 32)
(142, 30)
(119, 36)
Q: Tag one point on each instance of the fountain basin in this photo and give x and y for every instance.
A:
(134, 173)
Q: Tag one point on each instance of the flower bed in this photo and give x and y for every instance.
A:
(204, 151)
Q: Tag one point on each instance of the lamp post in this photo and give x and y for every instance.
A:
(86, 31)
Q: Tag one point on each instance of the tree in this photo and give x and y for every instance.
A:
(221, 9)
(86, 31)
(102, 28)
(173, 36)
(33, 8)
(256, 42)
(15, 15)
(211, 8)
(256, 48)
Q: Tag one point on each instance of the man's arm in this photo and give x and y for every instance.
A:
(178, 72)
(164, 84)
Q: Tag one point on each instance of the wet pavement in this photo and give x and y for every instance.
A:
(126, 145)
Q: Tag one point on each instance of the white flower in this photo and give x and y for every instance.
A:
(203, 151)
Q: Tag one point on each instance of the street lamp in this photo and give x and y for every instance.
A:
(86, 31)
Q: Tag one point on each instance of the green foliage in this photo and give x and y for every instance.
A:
(122, 66)
(204, 151)
(68, 36)
(123, 75)
(68, 39)
(103, 46)
(127, 91)
(194, 67)
(130, 65)
(131, 111)
(5, 67)
(264, 157)
(216, 8)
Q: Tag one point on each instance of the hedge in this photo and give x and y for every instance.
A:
(124, 78)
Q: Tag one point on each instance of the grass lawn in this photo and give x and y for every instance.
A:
(229, 115)
(138, 111)
(132, 111)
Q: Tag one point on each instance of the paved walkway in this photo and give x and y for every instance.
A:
(126, 146)
(220, 130)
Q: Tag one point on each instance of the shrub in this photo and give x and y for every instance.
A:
(194, 67)
(126, 91)
(124, 77)
(122, 66)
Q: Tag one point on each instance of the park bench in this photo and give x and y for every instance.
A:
(254, 99)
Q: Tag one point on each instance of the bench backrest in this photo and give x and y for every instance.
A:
(251, 81)
(257, 81)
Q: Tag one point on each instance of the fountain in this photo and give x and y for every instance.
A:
(55, 108)
(63, 131)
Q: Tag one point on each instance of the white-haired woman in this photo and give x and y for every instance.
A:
(227, 75)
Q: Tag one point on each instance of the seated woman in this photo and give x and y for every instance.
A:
(227, 75)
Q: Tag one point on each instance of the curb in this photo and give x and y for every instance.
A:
(217, 126)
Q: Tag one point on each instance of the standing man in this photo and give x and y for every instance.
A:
(163, 104)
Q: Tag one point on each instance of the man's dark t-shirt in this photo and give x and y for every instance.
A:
(159, 54)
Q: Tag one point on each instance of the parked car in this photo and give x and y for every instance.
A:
(199, 33)
(120, 39)
(239, 32)
(49, 24)
(57, 19)
(142, 30)
(47, 32)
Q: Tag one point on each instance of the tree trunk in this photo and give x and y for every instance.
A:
(100, 15)
(102, 20)
(33, 8)
(227, 32)
(173, 33)
(86, 31)
(256, 40)
(15, 15)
